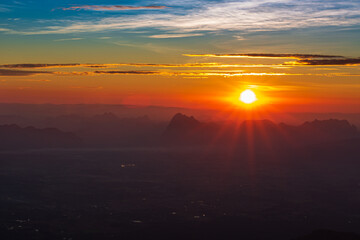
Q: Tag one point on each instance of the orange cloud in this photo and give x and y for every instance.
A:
(127, 72)
(301, 59)
(181, 73)
(266, 55)
(114, 65)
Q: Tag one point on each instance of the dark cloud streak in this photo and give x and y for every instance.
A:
(14, 73)
(127, 72)
(301, 59)
(40, 65)
(112, 7)
(268, 55)
(329, 62)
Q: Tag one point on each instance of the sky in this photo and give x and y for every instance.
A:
(299, 56)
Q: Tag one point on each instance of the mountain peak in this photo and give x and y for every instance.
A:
(330, 125)
(182, 121)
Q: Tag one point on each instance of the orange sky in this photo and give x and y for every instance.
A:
(194, 54)
(199, 83)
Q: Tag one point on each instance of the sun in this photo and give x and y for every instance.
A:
(247, 96)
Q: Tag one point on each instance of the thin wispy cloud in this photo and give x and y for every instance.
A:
(165, 73)
(127, 72)
(240, 38)
(176, 35)
(301, 59)
(268, 55)
(112, 7)
(4, 8)
(14, 73)
(5, 30)
(244, 16)
(204, 73)
(67, 39)
(152, 65)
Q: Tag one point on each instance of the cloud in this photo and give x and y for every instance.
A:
(112, 7)
(8, 72)
(154, 65)
(4, 8)
(327, 62)
(164, 73)
(301, 59)
(40, 65)
(229, 74)
(127, 72)
(240, 38)
(36, 80)
(266, 55)
(176, 35)
(203, 73)
(202, 69)
(239, 16)
(87, 73)
(5, 30)
(67, 39)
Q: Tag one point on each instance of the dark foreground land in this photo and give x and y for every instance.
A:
(181, 194)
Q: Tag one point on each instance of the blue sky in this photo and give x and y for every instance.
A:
(233, 21)
(55, 17)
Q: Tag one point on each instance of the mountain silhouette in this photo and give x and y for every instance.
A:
(15, 137)
(181, 121)
(331, 127)
(186, 130)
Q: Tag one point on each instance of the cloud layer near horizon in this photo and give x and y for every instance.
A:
(201, 68)
(267, 55)
(14, 73)
(301, 59)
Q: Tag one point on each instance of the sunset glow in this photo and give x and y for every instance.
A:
(185, 58)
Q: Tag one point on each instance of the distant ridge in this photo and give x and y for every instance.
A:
(330, 127)
(183, 129)
(15, 137)
(183, 122)
(187, 130)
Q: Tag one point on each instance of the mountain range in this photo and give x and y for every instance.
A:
(185, 130)
(108, 130)
(15, 137)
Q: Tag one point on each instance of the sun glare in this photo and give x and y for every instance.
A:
(247, 96)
